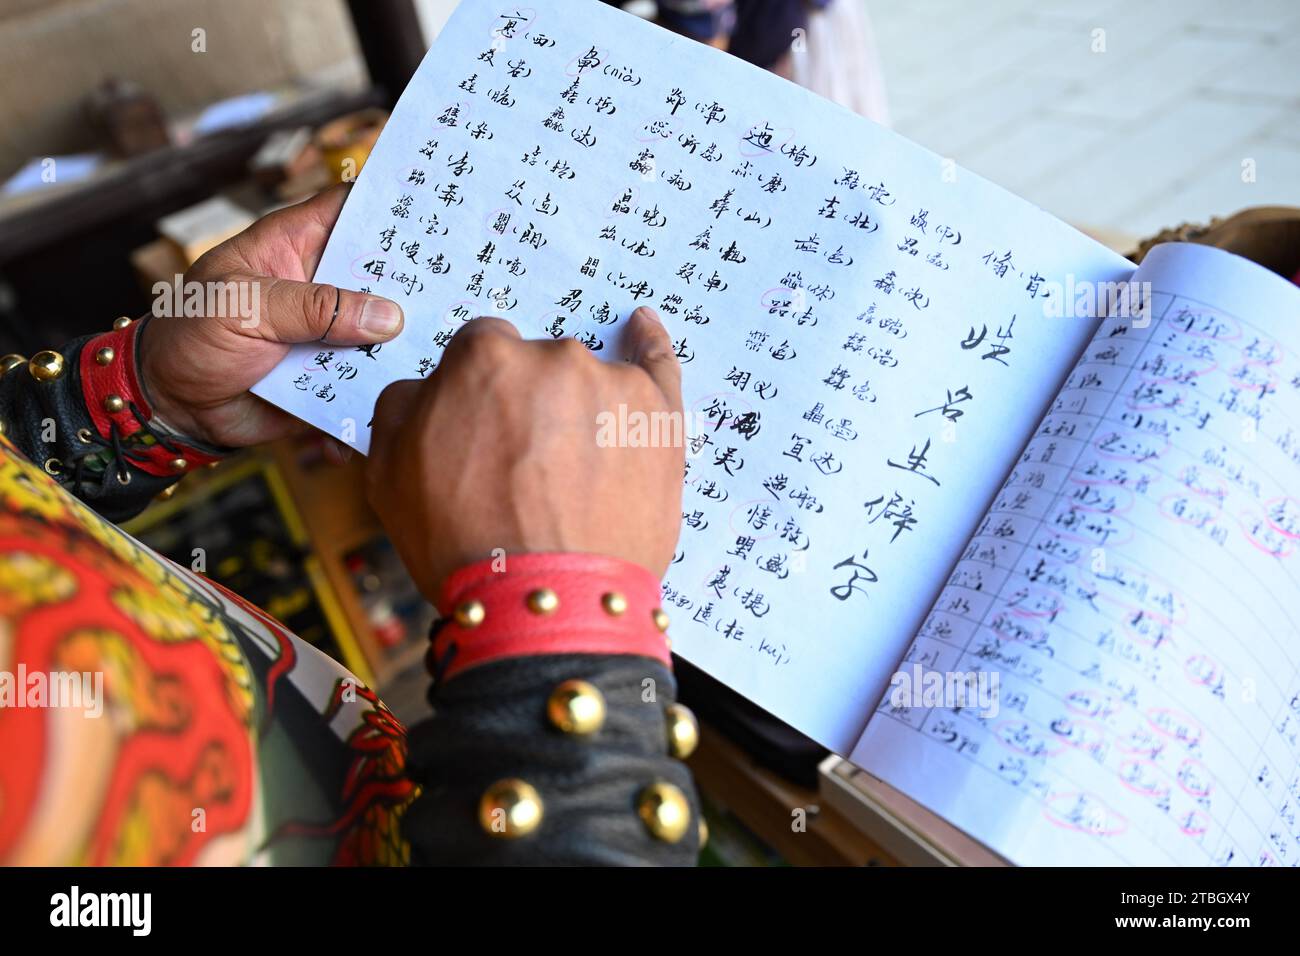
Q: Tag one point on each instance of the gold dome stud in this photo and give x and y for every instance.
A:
(614, 603)
(704, 834)
(510, 809)
(46, 366)
(543, 601)
(469, 613)
(121, 322)
(11, 362)
(683, 731)
(105, 355)
(166, 493)
(114, 403)
(576, 707)
(3, 426)
(660, 618)
(665, 811)
(178, 465)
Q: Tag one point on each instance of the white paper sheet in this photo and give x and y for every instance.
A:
(833, 289)
(1135, 589)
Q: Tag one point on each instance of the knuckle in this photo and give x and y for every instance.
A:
(320, 302)
(487, 346)
(572, 351)
(660, 353)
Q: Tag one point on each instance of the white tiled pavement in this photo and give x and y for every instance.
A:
(1155, 130)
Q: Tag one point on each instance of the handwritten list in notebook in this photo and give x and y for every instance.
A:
(1134, 585)
(862, 324)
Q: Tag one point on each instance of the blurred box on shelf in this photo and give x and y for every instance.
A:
(198, 228)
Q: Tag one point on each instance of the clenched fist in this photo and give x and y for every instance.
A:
(507, 445)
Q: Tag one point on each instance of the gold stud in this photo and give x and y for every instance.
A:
(121, 322)
(510, 809)
(166, 493)
(11, 362)
(469, 613)
(576, 707)
(683, 731)
(114, 403)
(105, 355)
(664, 810)
(660, 618)
(178, 465)
(543, 601)
(3, 426)
(613, 603)
(704, 834)
(46, 366)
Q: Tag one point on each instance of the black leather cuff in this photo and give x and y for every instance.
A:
(597, 791)
(47, 421)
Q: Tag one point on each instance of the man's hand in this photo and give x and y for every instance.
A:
(515, 444)
(198, 369)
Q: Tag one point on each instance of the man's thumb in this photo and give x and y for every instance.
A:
(292, 311)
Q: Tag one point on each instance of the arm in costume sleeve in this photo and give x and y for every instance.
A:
(556, 738)
(83, 415)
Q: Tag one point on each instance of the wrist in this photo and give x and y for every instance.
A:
(548, 603)
(122, 409)
(164, 409)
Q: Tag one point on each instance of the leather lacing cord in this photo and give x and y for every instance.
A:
(124, 450)
(437, 667)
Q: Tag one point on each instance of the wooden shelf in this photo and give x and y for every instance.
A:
(766, 804)
(122, 188)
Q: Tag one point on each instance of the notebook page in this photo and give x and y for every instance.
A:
(863, 327)
(1134, 591)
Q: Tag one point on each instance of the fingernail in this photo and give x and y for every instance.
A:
(380, 317)
(646, 312)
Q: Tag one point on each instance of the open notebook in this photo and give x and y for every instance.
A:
(915, 444)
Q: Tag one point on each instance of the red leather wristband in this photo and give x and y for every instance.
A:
(548, 603)
(110, 384)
